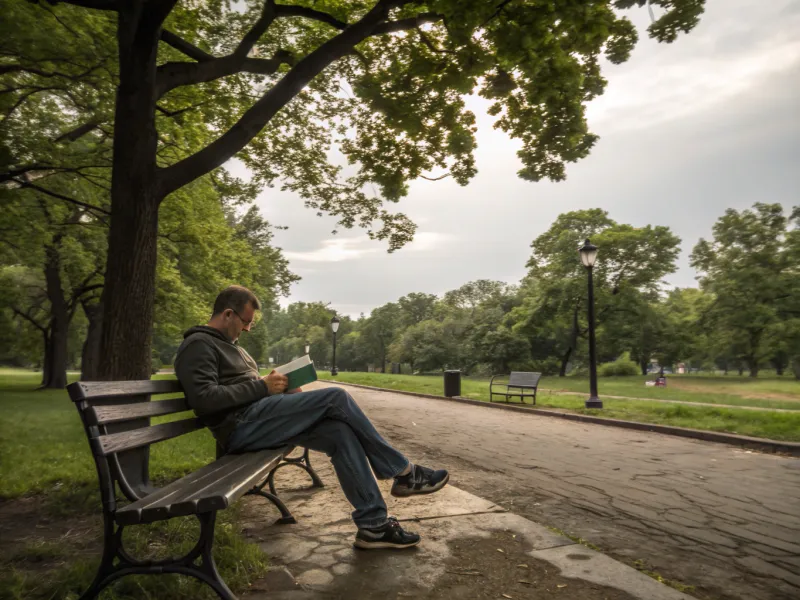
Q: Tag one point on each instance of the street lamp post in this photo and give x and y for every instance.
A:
(308, 347)
(334, 328)
(588, 254)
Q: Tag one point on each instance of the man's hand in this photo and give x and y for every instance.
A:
(276, 383)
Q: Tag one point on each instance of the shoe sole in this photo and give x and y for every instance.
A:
(364, 545)
(432, 490)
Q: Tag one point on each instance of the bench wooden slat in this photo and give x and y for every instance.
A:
(127, 440)
(86, 390)
(132, 512)
(114, 413)
(234, 484)
(214, 485)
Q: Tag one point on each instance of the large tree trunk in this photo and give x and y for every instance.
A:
(796, 367)
(780, 361)
(129, 290)
(54, 374)
(752, 364)
(90, 356)
(643, 366)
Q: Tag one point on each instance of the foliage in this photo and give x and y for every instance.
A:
(283, 86)
(622, 367)
(752, 267)
(627, 276)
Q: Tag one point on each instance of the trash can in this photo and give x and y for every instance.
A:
(452, 383)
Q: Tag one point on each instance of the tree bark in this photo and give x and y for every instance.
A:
(753, 366)
(90, 355)
(128, 295)
(643, 367)
(54, 374)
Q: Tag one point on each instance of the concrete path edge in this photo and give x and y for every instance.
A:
(744, 441)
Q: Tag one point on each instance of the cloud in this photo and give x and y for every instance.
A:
(735, 49)
(342, 249)
(333, 250)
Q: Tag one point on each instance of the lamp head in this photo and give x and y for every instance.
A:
(588, 254)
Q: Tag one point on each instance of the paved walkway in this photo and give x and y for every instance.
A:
(724, 520)
(471, 549)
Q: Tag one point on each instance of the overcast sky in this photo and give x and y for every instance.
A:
(687, 130)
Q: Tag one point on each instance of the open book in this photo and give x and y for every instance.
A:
(300, 372)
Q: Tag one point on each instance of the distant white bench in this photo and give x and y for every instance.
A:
(520, 384)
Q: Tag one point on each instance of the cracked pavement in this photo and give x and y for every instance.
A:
(723, 520)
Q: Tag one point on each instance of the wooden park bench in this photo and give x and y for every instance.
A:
(116, 418)
(518, 380)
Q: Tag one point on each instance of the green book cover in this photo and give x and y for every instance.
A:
(299, 372)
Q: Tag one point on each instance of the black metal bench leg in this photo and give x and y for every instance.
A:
(304, 462)
(206, 571)
(106, 568)
(286, 516)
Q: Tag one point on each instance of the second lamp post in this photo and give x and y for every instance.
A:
(588, 254)
(334, 328)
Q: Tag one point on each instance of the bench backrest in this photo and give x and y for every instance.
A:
(116, 417)
(524, 379)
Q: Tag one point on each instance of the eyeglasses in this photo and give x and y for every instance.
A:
(245, 323)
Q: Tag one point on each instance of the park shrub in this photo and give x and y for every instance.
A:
(622, 367)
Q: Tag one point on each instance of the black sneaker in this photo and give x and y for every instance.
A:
(421, 480)
(390, 535)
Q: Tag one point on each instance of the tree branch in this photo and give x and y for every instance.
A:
(287, 10)
(27, 184)
(268, 15)
(392, 26)
(209, 68)
(84, 288)
(445, 176)
(96, 4)
(497, 12)
(24, 97)
(251, 123)
(78, 132)
(49, 169)
(185, 47)
(406, 24)
(176, 74)
(15, 68)
(29, 318)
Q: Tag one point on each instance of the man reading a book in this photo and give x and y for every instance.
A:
(248, 412)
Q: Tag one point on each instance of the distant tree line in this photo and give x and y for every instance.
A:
(744, 316)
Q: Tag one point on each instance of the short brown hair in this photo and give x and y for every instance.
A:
(237, 298)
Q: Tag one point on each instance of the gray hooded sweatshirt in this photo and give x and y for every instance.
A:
(219, 377)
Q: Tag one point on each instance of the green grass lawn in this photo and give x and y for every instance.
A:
(768, 392)
(44, 454)
(757, 423)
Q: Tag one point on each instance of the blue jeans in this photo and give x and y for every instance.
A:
(329, 421)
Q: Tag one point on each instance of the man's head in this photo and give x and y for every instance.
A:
(234, 310)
